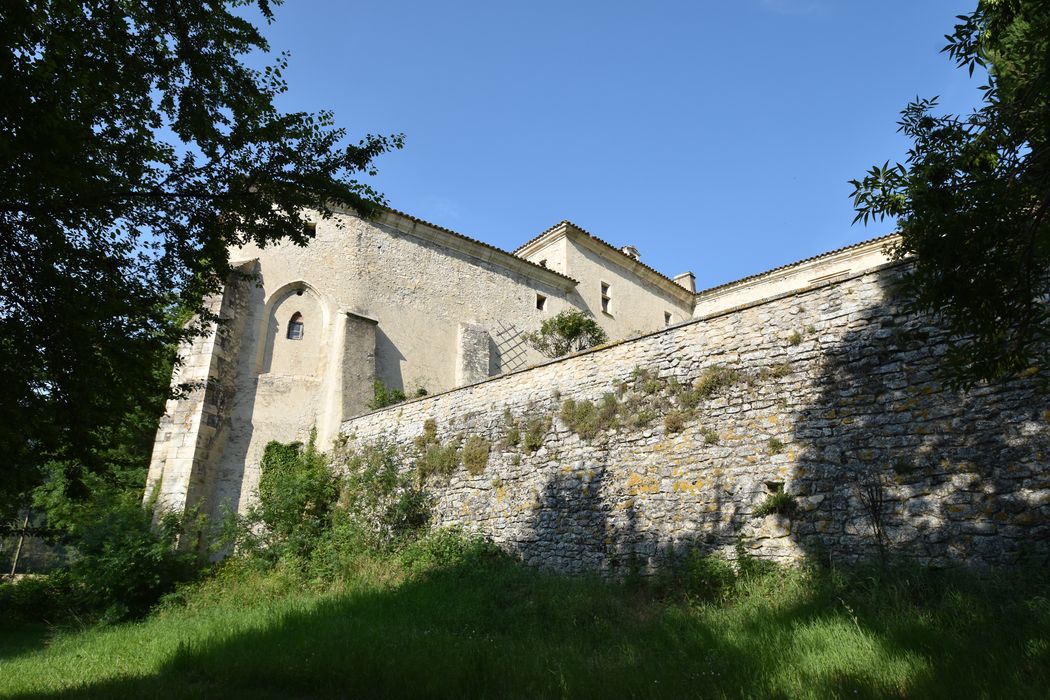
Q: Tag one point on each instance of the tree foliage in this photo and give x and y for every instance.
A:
(972, 198)
(135, 147)
(569, 331)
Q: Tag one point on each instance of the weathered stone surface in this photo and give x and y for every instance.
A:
(836, 389)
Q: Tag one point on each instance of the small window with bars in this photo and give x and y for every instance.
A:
(296, 328)
(606, 298)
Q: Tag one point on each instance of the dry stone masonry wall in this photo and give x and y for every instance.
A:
(811, 425)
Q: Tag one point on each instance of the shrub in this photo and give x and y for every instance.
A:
(709, 578)
(384, 396)
(448, 549)
(33, 598)
(794, 338)
(640, 418)
(774, 446)
(513, 436)
(569, 331)
(429, 436)
(379, 499)
(688, 399)
(476, 454)
(296, 494)
(646, 381)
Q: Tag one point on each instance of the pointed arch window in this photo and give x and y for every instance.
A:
(296, 327)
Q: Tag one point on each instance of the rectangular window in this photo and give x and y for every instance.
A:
(606, 298)
(667, 318)
(541, 302)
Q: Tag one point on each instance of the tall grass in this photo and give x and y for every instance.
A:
(449, 617)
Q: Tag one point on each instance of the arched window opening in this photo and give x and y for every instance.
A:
(295, 327)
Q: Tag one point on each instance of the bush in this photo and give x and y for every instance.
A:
(569, 331)
(379, 500)
(121, 558)
(646, 381)
(429, 436)
(32, 598)
(383, 396)
(296, 495)
(125, 562)
(447, 548)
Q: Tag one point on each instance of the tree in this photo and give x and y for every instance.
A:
(972, 198)
(569, 331)
(136, 148)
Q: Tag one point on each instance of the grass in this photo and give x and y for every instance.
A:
(484, 626)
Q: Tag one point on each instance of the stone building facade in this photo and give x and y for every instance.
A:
(308, 331)
(796, 412)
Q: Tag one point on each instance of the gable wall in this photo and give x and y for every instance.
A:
(637, 306)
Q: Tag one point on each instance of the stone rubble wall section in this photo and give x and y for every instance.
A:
(837, 391)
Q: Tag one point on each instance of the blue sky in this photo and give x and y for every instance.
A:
(714, 136)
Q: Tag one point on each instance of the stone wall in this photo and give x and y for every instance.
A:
(830, 395)
(196, 425)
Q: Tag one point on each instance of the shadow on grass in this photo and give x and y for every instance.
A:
(493, 628)
(18, 638)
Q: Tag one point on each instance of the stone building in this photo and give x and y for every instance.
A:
(397, 301)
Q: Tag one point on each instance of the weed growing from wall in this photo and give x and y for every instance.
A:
(536, 429)
(383, 396)
(674, 421)
(779, 502)
(476, 454)
(715, 378)
(644, 397)
(776, 371)
(587, 419)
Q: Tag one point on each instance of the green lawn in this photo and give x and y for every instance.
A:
(491, 628)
